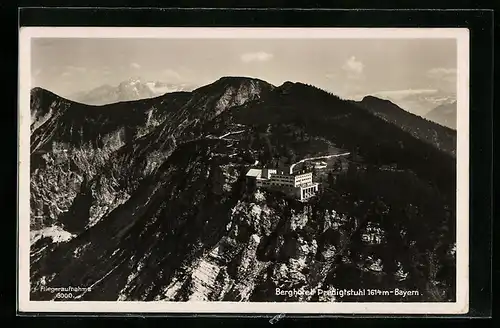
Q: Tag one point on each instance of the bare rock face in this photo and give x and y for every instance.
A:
(148, 200)
(43, 104)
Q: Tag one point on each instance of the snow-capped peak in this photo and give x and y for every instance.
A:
(133, 88)
(132, 80)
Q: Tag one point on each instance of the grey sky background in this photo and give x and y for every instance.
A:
(347, 67)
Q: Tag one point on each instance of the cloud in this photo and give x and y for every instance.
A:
(71, 70)
(135, 65)
(171, 74)
(441, 73)
(34, 76)
(443, 78)
(331, 76)
(78, 69)
(353, 67)
(347, 79)
(256, 56)
(405, 93)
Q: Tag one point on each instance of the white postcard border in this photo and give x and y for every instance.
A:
(462, 250)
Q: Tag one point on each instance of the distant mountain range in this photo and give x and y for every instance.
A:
(435, 105)
(429, 131)
(445, 114)
(419, 102)
(131, 89)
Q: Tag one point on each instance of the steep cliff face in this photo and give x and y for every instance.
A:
(111, 147)
(148, 200)
(74, 150)
(43, 105)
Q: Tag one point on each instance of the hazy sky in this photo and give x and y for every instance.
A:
(344, 67)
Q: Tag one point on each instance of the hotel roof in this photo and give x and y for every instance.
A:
(254, 172)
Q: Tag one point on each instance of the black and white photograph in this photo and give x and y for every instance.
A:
(243, 170)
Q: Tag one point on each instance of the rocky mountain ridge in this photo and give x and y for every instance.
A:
(147, 200)
(420, 101)
(424, 129)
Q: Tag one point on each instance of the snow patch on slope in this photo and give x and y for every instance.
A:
(57, 234)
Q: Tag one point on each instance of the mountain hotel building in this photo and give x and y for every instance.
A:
(299, 185)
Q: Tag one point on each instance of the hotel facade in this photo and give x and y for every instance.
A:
(299, 185)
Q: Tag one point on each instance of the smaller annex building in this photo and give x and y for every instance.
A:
(299, 184)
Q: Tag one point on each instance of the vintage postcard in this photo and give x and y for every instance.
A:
(243, 170)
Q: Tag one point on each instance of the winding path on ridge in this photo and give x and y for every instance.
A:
(317, 157)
